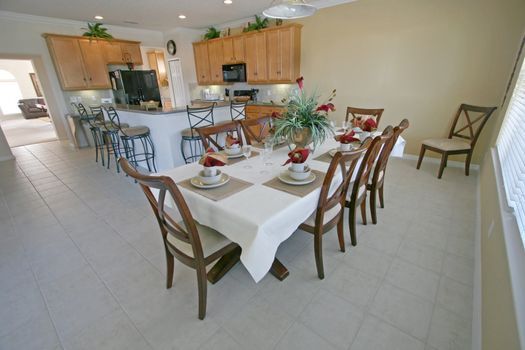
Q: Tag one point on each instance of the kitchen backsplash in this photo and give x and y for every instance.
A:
(267, 93)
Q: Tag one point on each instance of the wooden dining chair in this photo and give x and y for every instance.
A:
(256, 129)
(194, 245)
(376, 184)
(331, 204)
(357, 113)
(461, 138)
(357, 191)
(211, 135)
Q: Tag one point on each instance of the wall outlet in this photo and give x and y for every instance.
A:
(106, 100)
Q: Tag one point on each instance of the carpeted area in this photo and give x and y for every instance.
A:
(21, 132)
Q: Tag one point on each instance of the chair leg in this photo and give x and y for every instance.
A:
(340, 233)
(351, 224)
(444, 158)
(318, 250)
(421, 155)
(169, 270)
(373, 211)
(381, 196)
(467, 163)
(202, 283)
(363, 211)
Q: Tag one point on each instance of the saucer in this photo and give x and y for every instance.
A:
(195, 181)
(234, 155)
(285, 177)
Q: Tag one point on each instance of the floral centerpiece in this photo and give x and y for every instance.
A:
(305, 120)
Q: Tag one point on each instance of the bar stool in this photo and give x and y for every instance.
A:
(96, 131)
(197, 118)
(238, 110)
(109, 133)
(132, 137)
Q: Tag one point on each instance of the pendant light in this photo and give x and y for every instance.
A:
(288, 9)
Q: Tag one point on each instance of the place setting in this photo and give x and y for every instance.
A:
(298, 179)
(211, 182)
(235, 151)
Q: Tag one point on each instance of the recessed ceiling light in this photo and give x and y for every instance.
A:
(99, 17)
(228, 2)
(182, 16)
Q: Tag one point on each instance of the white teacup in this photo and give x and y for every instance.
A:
(210, 179)
(233, 149)
(298, 167)
(345, 147)
(300, 173)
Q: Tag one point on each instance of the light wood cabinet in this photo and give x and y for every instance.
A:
(272, 55)
(95, 68)
(283, 54)
(131, 53)
(216, 57)
(157, 62)
(256, 70)
(233, 49)
(256, 111)
(202, 63)
(121, 52)
(112, 52)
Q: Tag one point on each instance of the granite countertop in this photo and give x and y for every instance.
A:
(194, 103)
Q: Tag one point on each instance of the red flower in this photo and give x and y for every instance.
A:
(299, 82)
(326, 108)
(369, 125)
(298, 155)
(347, 138)
(276, 114)
(230, 141)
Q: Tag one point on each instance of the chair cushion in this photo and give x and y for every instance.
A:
(328, 215)
(187, 133)
(448, 144)
(211, 240)
(135, 130)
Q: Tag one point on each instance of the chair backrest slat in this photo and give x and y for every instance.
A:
(473, 124)
(238, 110)
(366, 112)
(199, 117)
(256, 129)
(210, 134)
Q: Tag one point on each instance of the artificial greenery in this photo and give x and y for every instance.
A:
(303, 111)
(95, 30)
(259, 24)
(212, 33)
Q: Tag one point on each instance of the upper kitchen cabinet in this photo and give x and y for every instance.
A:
(121, 52)
(284, 51)
(256, 60)
(95, 67)
(202, 62)
(79, 63)
(233, 49)
(272, 55)
(131, 52)
(216, 58)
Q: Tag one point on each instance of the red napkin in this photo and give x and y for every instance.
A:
(298, 155)
(211, 158)
(347, 138)
(230, 141)
(369, 125)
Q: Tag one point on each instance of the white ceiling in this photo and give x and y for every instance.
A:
(149, 14)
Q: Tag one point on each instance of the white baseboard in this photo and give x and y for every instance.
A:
(450, 163)
(11, 157)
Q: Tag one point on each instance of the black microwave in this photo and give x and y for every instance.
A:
(233, 73)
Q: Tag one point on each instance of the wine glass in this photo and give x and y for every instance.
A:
(267, 154)
(344, 125)
(247, 152)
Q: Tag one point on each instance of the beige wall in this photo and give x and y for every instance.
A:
(498, 317)
(418, 59)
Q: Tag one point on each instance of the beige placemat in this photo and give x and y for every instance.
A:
(232, 161)
(325, 157)
(299, 191)
(216, 194)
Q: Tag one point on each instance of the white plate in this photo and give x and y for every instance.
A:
(333, 151)
(195, 181)
(357, 130)
(285, 177)
(233, 156)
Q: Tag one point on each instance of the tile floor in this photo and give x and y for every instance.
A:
(82, 267)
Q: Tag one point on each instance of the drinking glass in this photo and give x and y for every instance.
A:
(247, 152)
(267, 155)
(344, 125)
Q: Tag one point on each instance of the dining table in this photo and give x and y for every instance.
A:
(257, 211)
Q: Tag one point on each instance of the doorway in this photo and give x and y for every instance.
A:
(24, 115)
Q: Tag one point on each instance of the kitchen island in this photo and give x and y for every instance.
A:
(166, 125)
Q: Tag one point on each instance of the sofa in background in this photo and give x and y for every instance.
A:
(33, 108)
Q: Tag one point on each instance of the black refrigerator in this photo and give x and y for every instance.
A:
(133, 86)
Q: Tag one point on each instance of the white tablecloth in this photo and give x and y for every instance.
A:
(258, 218)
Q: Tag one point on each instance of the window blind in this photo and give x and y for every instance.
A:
(511, 150)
